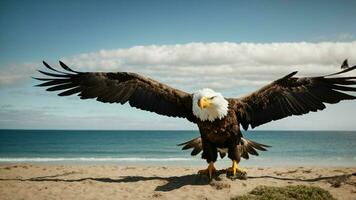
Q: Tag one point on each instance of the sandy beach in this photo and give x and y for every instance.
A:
(40, 181)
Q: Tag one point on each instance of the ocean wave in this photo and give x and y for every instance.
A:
(83, 159)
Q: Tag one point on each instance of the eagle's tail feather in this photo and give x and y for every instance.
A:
(194, 144)
(245, 147)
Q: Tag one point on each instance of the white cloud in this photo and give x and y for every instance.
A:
(219, 55)
(220, 65)
(16, 73)
(216, 65)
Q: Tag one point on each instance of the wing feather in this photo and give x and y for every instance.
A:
(120, 87)
(290, 95)
(70, 92)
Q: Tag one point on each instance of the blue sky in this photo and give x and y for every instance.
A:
(84, 33)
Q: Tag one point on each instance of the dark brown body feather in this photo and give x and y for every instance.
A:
(282, 98)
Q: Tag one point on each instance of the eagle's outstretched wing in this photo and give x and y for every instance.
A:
(120, 87)
(292, 96)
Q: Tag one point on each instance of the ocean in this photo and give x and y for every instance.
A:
(289, 148)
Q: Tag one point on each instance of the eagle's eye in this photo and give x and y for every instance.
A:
(211, 98)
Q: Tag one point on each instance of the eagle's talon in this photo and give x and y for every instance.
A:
(210, 171)
(235, 170)
(239, 175)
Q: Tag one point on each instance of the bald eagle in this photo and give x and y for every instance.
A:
(218, 118)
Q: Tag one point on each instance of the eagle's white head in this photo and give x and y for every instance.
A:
(209, 105)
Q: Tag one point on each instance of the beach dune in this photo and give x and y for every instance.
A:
(44, 181)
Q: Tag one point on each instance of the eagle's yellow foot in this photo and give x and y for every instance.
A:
(209, 171)
(235, 168)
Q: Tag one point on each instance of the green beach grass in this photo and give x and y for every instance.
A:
(297, 192)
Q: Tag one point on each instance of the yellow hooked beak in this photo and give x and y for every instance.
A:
(204, 102)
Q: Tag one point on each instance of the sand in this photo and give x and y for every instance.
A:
(40, 181)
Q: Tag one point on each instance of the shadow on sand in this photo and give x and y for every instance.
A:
(171, 183)
(176, 182)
